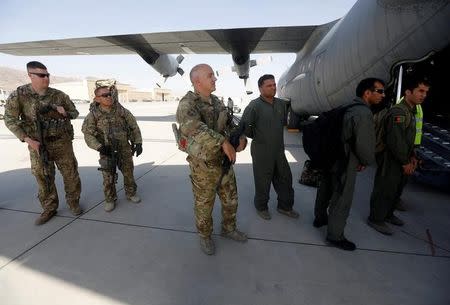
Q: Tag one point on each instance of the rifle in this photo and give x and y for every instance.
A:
(113, 161)
(234, 140)
(43, 152)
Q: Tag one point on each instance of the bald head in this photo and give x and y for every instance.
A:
(203, 79)
(197, 70)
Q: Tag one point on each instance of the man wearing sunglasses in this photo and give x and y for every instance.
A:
(335, 193)
(40, 116)
(109, 128)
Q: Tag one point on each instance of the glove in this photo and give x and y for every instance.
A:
(138, 149)
(105, 150)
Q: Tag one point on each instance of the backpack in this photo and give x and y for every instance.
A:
(322, 140)
(379, 119)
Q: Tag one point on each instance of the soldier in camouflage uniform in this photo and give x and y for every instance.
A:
(109, 128)
(40, 116)
(204, 128)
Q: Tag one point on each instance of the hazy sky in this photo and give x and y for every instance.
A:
(46, 20)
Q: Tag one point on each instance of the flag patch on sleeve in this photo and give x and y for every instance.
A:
(399, 119)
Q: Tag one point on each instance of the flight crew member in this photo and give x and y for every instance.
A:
(335, 192)
(397, 161)
(400, 206)
(204, 129)
(263, 120)
(109, 128)
(40, 116)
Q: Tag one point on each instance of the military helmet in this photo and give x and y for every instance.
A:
(111, 84)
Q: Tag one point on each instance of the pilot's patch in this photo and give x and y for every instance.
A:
(399, 119)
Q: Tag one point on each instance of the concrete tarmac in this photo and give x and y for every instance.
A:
(148, 253)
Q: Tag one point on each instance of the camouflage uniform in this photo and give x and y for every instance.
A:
(21, 117)
(99, 127)
(204, 126)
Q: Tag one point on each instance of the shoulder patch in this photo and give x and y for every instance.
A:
(399, 119)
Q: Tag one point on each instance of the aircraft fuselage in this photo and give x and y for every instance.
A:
(369, 41)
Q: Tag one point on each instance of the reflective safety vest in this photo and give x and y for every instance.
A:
(419, 123)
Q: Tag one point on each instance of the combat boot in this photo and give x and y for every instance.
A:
(395, 220)
(44, 217)
(207, 245)
(235, 235)
(134, 199)
(343, 244)
(109, 205)
(381, 227)
(264, 214)
(291, 213)
(76, 211)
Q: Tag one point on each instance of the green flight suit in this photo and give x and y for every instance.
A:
(400, 132)
(263, 122)
(336, 188)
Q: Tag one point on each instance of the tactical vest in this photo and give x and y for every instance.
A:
(116, 122)
(194, 146)
(54, 126)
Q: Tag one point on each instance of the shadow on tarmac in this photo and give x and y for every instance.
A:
(149, 251)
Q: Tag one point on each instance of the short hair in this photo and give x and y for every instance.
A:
(367, 84)
(263, 78)
(414, 81)
(194, 71)
(36, 65)
(101, 87)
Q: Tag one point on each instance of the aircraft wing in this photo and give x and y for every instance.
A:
(220, 41)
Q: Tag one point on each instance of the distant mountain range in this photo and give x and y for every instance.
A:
(10, 78)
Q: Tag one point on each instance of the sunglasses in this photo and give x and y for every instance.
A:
(41, 75)
(380, 91)
(105, 95)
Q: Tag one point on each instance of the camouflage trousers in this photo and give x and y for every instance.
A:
(61, 154)
(109, 183)
(205, 179)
